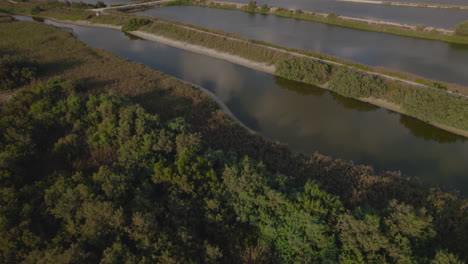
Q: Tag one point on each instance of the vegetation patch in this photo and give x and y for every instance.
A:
(15, 71)
(357, 85)
(134, 24)
(462, 28)
(303, 70)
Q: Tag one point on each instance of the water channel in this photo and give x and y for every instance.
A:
(432, 59)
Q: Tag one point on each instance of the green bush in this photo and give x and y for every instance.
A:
(134, 24)
(462, 28)
(252, 5)
(35, 10)
(264, 8)
(15, 71)
(303, 70)
(357, 85)
(100, 4)
(332, 16)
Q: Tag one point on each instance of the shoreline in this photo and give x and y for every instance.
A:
(255, 66)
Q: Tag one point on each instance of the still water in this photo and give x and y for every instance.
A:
(443, 18)
(306, 118)
(428, 58)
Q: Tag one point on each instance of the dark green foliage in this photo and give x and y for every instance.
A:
(462, 28)
(303, 70)
(100, 4)
(252, 5)
(264, 8)
(97, 179)
(35, 10)
(332, 17)
(15, 71)
(357, 85)
(135, 24)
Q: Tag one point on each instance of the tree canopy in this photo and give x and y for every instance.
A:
(97, 179)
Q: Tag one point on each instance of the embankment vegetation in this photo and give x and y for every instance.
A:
(134, 24)
(124, 164)
(462, 28)
(427, 104)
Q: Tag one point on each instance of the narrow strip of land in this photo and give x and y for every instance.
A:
(406, 4)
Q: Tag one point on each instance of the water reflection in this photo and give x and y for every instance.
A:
(432, 59)
(423, 130)
(304, 117)
(132, 37)
(298, 87)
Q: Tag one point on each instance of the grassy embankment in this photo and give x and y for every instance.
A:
(38, 212)
(417, 31)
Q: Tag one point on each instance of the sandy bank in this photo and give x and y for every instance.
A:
(206, 51)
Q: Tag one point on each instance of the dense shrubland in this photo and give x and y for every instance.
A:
(97, 179)
(15, 71)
